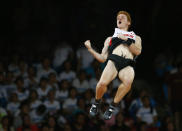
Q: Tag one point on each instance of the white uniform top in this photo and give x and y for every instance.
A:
(128, 34)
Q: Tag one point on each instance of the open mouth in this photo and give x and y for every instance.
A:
(119, 22)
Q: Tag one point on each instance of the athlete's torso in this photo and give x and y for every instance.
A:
(122, 49)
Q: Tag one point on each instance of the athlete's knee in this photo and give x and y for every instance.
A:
(128, 83)
(101, 84)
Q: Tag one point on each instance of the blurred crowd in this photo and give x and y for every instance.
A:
(55, 93)
(168, 70)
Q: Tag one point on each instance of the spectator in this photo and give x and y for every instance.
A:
(61, 119)
(21, 91)
(84, 58)
(53, 82)
(37, 115)
(80, 123)
(61, 54)
(34, 101)
(80, 106)
(70, 103)
(63, 92)
(18, 117)
(9, 83)
(147, 113)
(13, 104)
(22, 69)
(89, 96)
(137, 103)
(5, 124)
(43, 88)
(93, 68)
(67, 73)
(45, 69)
(119, 123)
(51, 104)
(31, 80)
(27, 124)
(52, 123)
(81, 83)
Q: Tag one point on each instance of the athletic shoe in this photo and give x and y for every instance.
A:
(108, 113)
(94, 110)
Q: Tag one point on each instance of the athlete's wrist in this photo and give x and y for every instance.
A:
(90, 49)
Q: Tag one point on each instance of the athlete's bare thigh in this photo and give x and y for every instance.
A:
(126, 75)
(109, 72)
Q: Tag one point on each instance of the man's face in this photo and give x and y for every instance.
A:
(122, 21)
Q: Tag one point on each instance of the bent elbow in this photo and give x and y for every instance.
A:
(138, 52)
(102, 60)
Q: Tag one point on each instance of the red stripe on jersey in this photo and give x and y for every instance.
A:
(110, 43)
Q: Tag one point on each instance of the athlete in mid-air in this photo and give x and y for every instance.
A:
(119, 51)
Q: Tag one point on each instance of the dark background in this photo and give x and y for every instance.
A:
(34, 27)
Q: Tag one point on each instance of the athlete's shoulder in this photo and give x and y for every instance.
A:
(138, 40)
(109, 37)
(138, 37)
(107, 41)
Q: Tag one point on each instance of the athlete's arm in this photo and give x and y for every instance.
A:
(100, 57)
(136, 47)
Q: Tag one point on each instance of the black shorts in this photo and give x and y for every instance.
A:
(120, 62)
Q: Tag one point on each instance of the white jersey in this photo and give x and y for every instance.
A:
(128, 34)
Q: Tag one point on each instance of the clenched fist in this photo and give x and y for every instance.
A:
(88, 44)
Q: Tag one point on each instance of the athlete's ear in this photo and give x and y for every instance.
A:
(129, 23)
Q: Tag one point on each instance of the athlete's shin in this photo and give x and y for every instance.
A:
(100, 90)
(123, 89)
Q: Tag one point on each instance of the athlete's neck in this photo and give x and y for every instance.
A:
(125, 29)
